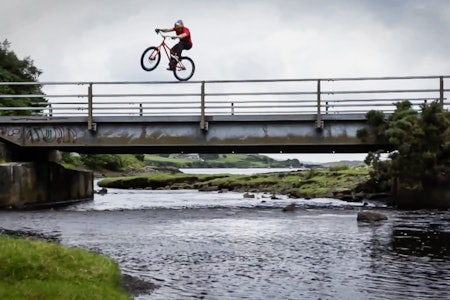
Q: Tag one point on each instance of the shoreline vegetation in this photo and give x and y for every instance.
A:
(340, 182)
(38, 267)
(344, 180)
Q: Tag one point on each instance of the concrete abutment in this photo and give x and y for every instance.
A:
(27, 185)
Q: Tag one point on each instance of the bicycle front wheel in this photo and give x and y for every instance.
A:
(184, 69)
(150, 58)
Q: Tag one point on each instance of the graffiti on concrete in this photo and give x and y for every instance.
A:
(9, 132)
(51, 135)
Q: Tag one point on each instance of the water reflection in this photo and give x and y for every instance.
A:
(407, 256)
(422, 233)
(416, 241)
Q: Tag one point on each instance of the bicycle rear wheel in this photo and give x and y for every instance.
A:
(184, 69)
(150, 58)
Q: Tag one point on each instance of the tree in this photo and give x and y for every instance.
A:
(13, 69)
(423, 143)
(422, 139)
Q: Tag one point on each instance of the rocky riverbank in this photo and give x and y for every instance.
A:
(339, 184)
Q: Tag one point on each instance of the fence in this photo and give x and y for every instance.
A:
(227, 97)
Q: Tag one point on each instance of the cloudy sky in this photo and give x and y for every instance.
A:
(102, 40)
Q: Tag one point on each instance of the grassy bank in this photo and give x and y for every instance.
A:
(32, 269)
(125, 162)
(298, 184)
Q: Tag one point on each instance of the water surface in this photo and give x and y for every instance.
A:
(210, 245)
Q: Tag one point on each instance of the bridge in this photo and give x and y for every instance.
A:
(318, 115)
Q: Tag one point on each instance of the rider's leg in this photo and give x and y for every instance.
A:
(176, 50)
(186, 45)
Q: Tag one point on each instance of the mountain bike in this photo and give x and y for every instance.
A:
(184, 67)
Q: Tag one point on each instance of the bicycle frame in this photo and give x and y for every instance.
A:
(179, 65)
(163, 45)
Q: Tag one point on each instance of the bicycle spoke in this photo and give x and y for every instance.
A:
(184, 69)
(150, 58)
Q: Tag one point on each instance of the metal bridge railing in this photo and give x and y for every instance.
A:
(316, 96)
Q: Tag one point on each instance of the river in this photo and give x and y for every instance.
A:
(210, 245)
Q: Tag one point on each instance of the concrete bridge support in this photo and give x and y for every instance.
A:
(42, 182)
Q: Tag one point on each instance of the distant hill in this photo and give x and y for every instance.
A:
(233, 161)
(218, 161)
(350, 163)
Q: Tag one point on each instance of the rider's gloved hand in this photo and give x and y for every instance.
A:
(157, 30)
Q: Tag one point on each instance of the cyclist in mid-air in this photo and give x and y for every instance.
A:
(185, 42)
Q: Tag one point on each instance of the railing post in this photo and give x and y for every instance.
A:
(441, 91)
(319, 122)
(91, 125)
(203, 123)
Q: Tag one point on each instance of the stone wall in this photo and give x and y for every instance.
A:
(41, 184)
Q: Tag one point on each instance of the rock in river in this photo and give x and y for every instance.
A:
(368, 216)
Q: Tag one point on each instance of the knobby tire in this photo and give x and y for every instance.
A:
(146, 63)
(188, 72)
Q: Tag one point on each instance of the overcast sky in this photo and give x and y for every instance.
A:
(102, 40)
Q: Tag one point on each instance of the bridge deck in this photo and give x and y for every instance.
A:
(173, 134)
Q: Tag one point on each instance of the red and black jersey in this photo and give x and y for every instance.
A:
(179, 31)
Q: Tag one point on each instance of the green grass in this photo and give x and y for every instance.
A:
(155, 160)
(221, 161)
(311, 183)
(31, 269)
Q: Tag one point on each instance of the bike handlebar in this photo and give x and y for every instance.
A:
(165, 36)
